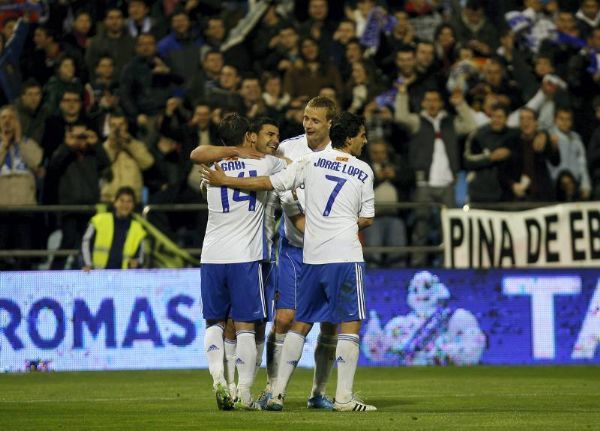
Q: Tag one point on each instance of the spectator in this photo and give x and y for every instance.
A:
(425, 64)
(393, 182)
(526, 176)
(407, 75)
(64, 79)
(128, 158)
(54, 128)
(495, 80)
(567, 187)
(318, 27)
(31, 113)
(354, 52)
(584, 80)
(423, 17)
(305, 81)
(588, 17)
(114, 240)
(361, 89)
(225, 95)
(572, 152)
(114, 41)
(275, 99)
(445, 47)
(41, 64)
(594, 153)
(433, 153)
(252, 97)
(20, 159)
(140, 21)
(216, 36)
(104, 96)
(145, 86)
(266, 36)
(474, 30)
(78, 39)
(77, 163)
(181, 48)
(287, 51)
(206, 78)
(345, 32)
(10, 53)
(360, 15)
(562, 46)
(402, 35)
(486, 152)
(532, 24)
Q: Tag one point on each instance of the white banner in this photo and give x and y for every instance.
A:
(105, 320)
(557, 236)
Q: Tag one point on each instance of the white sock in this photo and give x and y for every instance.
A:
(246, 363)
(324, 358)
(290, 355)
(230, 346)
(213, 346)
(347, 358)
(260, 348)
(274, 348)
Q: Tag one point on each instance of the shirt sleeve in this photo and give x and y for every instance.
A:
(290, 178)
(367, 207)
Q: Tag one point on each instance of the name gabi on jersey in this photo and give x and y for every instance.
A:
(232, 165)
(341, 167)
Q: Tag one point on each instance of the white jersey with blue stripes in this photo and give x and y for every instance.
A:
(338, 190)
(293, 204)
(235, 232)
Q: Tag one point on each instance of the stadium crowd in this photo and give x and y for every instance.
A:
(496, 100)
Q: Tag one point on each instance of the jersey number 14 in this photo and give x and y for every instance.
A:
(239, 196)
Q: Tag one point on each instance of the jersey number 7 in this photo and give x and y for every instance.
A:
(338, 186)
(239, 196)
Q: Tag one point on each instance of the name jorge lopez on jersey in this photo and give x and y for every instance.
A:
(344, 168)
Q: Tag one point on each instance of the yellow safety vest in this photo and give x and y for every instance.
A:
(104, 224)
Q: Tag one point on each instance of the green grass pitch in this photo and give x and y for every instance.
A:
(480, 398)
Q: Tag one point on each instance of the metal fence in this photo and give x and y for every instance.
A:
(170, 208)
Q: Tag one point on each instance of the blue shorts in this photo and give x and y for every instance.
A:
(269, 271)
(332, 292)
(232, 290)
(289, 269)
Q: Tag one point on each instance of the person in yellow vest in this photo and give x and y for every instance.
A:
(114, 240)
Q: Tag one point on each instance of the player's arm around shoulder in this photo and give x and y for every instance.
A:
(216, 177)
(206, 154)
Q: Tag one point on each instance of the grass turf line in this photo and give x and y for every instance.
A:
(488, 398)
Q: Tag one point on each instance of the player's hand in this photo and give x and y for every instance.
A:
(86, 268)
(214, 177)
(248, 153)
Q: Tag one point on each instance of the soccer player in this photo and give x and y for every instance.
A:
(339, 201)
(318, 114)
(231, 274)
(264, 137)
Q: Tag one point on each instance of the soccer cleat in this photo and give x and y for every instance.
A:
(224, 400)
(354, 405)
(246, 405)
(275, 404)
(320, 402)
(263, 399)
